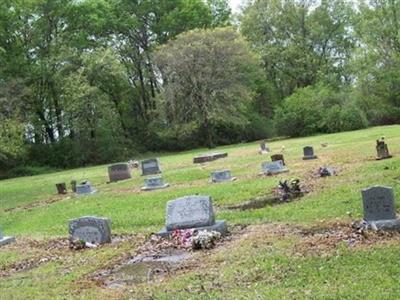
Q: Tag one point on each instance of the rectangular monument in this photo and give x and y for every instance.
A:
(84, 188)
(274, 167)
(119, 172)
(154, 183)
(378, 203)
(90, 229)
(209, 157)
(221, 176)
(277, 157)
(308, 153)
(191, 212)
(382, 150)
(150, 167)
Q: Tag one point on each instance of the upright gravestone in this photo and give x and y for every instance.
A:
(221, 176)
(382, 150)
(308, 153)
(73, 185)
(194, 212)
(277, 157)
(150, 167)
(154, 183)
(263, 148)
(84, 188)
(379, 207)
(119, 172)
(271, 168)
(61, 188)
(90, 229)
(4, 240)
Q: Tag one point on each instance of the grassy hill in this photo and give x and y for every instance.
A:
(301, 249)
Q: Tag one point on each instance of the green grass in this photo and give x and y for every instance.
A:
(265, 269)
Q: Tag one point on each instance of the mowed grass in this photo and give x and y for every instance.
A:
(250, 269)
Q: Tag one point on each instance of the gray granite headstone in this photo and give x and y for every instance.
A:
(308, 153)
(273, 167)
(84, 188)
(263, 147)
(118, 172)
(4, 240)
(154, 183)
(378, 203)
(90, 229)
(276, 157)
(150, 167)
(221, 176)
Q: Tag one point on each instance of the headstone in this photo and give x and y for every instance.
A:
(326, 171)
(192, 212)
(73, 186)
(154, 183)
(263, 148)
(308, 153)
(277, 157)
(119, 172)
(271, 168)
(84, 188)
(4, 240)
(378, 203)
(209, 157)
(61, 188)
(382, 150)
(221, 176)
(150, 167)
(90, 229)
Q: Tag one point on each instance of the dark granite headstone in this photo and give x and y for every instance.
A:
(150, 167)
(221, 176)
(119, 172)
(90, 229)
(4, 240)
(209, 157)
(154, 183)
(277, 157)
(308, 153)
(61, 188)
(192, 212)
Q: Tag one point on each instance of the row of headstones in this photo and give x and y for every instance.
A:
(196, 212)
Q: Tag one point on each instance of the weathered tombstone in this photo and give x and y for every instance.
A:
(61, 188)
(308, 153)
(84, 188)
(379, 207)
(154, 183)
(90, 229)
(277, 157)
(191, 212)
(209, 157)
(118, 172)
(326, 171)
(4, 240)
(150, 167)
(263, 148)
(73, 185)
(382, 150)
(271, 168)
(221, 176)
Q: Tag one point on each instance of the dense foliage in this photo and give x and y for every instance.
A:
(84, 82)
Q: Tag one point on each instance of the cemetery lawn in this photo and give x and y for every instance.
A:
(302, 249)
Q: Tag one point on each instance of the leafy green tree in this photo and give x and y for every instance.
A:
(208, 79)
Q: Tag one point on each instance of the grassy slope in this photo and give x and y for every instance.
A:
(243, 271)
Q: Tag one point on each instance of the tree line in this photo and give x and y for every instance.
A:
(95, 81)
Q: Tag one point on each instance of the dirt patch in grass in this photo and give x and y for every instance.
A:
(39, 203)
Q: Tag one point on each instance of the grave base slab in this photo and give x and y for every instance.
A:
(385, 157)
(221, 181)
(151, 188)
(310, 157)
(7, 240)
(285, 170)
(219, 226)
(385, 224)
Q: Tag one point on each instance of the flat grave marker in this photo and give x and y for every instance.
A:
(154, 183)
(222, 176)
(274, 167)
(4, 240)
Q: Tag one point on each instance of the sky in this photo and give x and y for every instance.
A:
(235, 4)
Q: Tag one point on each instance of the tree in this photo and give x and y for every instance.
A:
(208, 79)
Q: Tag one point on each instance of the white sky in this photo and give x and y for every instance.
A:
(235, 5)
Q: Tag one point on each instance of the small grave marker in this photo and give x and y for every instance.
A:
(150, 167)
(4, 240)
(222, 176)
(192, 212)
(277, 157)
(382, 150)
(61, 188)
(84, 188)
(119, 172)
(263, 148)
(90, 229)
(308, 153)
(209, 157)
(271, 168)
(154, 183)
